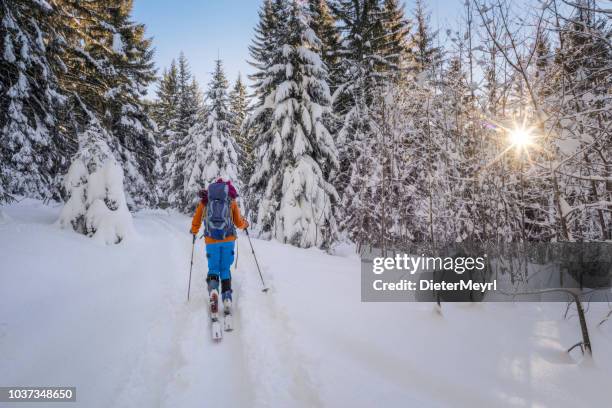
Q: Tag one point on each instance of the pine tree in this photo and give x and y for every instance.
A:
(239, 107)
(369, 65)
(195, 166)
(396, 30)
(427, 55)
(220, 159)
(29, 99)
(131, 124)
(185, 141)
(74, 71)
(167, 102)
(323, 24)
(363, 64)
(165, 113)
(271, 31)
(96, 204)
(268, 34)
(105, 72)
(296, 151)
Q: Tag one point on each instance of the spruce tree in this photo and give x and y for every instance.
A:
(69, 69)
(96, 204)
(268, 34)
(427, 55)
(185, 140)
(270, 31)
(29, 99)
(166, 105)
(396, 29)
(323, 23)
(131, 124)
(239, 107)
(369, 65)
(296, 151)
(195, 165)
(220, 159)
(363, 47)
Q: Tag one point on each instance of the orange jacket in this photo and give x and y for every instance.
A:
(237, 218)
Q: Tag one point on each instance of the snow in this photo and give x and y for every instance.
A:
(117, 43)
(97, 204)
(114, 322)
(4, 218)
(9, 54)
(44, 5)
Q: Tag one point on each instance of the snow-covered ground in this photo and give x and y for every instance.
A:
(114, 322)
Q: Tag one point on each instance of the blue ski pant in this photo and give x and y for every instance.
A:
(220, 257)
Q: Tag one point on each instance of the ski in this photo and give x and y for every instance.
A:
(228, 323)
(215, 325)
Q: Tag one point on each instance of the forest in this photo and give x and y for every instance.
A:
(361, 122)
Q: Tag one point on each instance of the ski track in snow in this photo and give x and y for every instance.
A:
(169, 360)
(179, 366)
(257, 364)
(273, 359)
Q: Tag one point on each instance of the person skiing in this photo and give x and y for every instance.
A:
(220, 213)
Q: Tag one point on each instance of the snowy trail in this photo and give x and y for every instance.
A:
(180, 361)
(114, 322)
(134, 340)
(255, 365)
(273, 359)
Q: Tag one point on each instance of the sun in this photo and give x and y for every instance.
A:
(520, 137)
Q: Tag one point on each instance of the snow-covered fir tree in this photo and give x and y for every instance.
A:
(166, 105)
(195, 165)
(296, 151)
(240, 109)
(29, 99)
(427, 55)
(369, 50)
(270, 31)
(96, 204)
(131, 123)
(55, 74)
(220, 158)
(185, 139)
(323, 24)
(209, 150)
(396, 30)
(165, 113)
(108, 68)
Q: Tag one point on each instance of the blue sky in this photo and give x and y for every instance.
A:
(201, 28)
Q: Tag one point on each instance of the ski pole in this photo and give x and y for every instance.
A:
(265, 289)
(236, 263)
(191, 267)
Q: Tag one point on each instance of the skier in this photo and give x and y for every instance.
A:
(219, 211)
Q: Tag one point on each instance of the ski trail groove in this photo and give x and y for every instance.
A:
(178, 364)
(272, 357)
